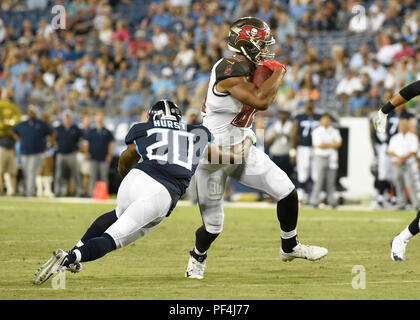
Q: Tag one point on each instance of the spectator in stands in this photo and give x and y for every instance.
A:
(184, 57)
(21, 91)
(33, 135)
(182, 98)
(40, 95)
(67, 139)
(277, 139)
(325, 140)
(121, 34)
(347, 86)
(285, 27)
(358, 104)
(140, 47)
(159, 38)
(106, 32)
(164, 84)
(162, 18)
(133, 103)
(405, 52)
(376, 18)
(376, 72)
(360, 58)
(387, 49)
(100, 147)
(403, 148)
(297, 9)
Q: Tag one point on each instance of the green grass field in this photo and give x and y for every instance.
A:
(243, 263)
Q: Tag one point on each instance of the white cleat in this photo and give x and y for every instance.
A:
(195, 268)
(302, 251)
(53, 265)
(398, 249)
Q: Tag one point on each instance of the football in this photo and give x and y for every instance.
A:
(261, 74)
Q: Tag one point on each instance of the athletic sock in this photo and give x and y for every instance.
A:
(94, 248)
(287, 214)
(203, 239)
(405, 234)
(99, 226)
(414, 226)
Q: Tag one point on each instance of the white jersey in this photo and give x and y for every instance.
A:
(228, 119)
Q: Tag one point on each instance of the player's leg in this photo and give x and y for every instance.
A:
(321, 166)
(150, 202)
(125, 197)
(302, 170)
(260, 173)
(210, 184)
(399, 243)
(397, 179)
(331, 183)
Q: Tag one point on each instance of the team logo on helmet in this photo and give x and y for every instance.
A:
(251, 33)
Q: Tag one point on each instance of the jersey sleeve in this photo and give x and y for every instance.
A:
(229, 68)
(136, 131)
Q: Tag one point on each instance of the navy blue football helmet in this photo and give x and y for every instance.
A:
(165, 110)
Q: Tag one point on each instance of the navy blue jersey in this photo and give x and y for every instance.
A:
(169, 152)
(305, 126)
(394, 120)
(33, 135)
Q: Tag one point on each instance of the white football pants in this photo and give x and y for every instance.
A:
(142, 204)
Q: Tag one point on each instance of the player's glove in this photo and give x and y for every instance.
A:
(273, 65)
(379, 121)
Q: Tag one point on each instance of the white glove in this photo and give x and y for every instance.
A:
(379, 121)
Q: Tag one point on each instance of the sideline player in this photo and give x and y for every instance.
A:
(229, 108)
(302, 150)
(169, 150)
(399, 243)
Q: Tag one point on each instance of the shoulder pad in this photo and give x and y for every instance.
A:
(136, 131)
(230, 67)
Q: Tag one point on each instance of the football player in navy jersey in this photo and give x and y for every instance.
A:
(381, 165)
(301, 140)
(394, 117)
(399, 243)
(161, 157)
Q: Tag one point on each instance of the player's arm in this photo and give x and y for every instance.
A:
(248, 93)
(127, 159)
(406, 94)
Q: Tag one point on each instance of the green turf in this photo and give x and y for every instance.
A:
(243, 263)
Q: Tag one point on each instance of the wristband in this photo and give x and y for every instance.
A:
(387, 107)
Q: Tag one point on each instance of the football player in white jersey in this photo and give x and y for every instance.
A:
(229, 108)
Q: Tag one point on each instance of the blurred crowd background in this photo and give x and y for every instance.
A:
(116, 58)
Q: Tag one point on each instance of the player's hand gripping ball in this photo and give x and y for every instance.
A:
(264, 71)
